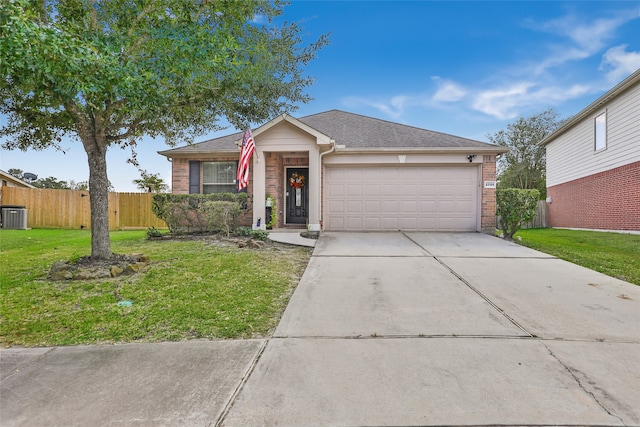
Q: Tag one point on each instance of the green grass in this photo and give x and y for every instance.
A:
(192, 289)
(613, 254)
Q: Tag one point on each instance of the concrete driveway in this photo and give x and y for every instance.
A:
(447, 329)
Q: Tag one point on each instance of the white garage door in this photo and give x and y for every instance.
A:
(401, 198)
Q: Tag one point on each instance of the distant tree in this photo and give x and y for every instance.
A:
(524, 165)
(16, 173)
(51, 182)
(151, 183)
(110, 71)
(82, 185)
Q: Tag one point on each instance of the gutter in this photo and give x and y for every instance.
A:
(331, 150)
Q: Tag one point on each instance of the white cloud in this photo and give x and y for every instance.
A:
(619, 63)
(506, 103)
(448, 91)
(586, 37)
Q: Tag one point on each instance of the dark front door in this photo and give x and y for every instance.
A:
(297, 195)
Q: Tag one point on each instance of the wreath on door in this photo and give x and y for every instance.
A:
(296, 180)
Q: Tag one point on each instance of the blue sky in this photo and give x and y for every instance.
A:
(464, 68)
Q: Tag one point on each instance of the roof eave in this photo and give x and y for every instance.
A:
(428, 150)
(178, 155)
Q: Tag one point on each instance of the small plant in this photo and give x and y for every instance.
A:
(243, 231)
(273, 219)
(259, 234)
(153, 233)
(254, 234)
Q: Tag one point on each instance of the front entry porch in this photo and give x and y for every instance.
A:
(291, 184)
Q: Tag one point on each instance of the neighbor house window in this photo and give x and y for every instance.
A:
(601, 131)
(219, 177)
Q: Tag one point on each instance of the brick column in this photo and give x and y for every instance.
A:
(488, 215)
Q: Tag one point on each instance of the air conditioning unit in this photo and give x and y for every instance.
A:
(14, 218)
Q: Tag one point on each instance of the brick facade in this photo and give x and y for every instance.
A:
(488, 215)
(608, 200)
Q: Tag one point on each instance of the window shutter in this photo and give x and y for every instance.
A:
(194, 177)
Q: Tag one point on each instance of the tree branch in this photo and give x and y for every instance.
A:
(141, 15)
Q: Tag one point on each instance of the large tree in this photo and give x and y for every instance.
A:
(524, 165)
(110, 71)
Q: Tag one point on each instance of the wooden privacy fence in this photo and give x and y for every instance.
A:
(48, 208)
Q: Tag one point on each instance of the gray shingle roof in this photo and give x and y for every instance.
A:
(354, 131)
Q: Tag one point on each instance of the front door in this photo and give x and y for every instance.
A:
(297, 195)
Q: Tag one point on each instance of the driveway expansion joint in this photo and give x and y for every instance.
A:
(223, 414)
(29, 363)
(483, 296)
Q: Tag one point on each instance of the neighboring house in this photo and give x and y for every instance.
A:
(593, 163)
(11, 181)
(342, 171)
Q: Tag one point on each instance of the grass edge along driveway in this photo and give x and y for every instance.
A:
(614, 254)
(193, 288)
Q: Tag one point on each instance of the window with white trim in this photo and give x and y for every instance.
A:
(600, 131)
(219, 177)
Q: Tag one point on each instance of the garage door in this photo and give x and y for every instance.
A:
(401, 198)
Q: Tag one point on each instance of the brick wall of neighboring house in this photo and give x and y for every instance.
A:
(608, 200)
(488, 215)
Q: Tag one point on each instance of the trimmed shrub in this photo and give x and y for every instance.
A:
(515, 206)
(220, 216)
(194, 213)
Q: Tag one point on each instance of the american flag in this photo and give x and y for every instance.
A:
(245, 154)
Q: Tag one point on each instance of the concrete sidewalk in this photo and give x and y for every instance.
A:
(167, 384)
(383, 329)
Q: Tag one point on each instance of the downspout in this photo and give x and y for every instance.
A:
(331, 150)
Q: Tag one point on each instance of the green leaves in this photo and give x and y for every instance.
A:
(515, 207)
(167, 68)
(524, 165)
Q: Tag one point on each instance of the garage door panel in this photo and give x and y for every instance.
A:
(354, 206)
(392, 224)
(354, 223)
(371, 206)
(390, 207)
(372, 190)
(390, 190)
(372, 223)
(353, 190)
(409, 206)
(428, 198)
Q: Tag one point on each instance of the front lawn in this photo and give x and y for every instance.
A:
(613, 254)
(193, 288)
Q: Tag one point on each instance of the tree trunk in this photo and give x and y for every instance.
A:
(99, 191)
